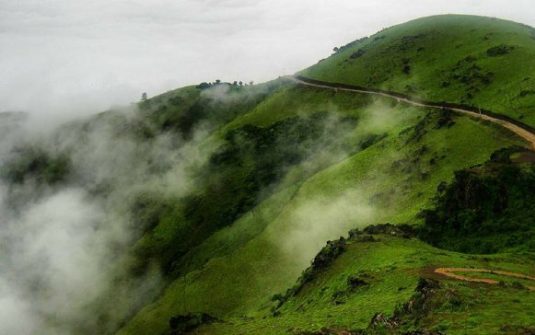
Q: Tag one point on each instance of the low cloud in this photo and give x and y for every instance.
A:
(321, 219)
(63, 246)
(58, 57)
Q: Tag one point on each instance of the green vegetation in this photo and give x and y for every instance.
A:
(382, 284)
(279, 169)
(237, 270)
(32, 163)
(486, 209)
(184, 109)
(482, 62)
(244, 274)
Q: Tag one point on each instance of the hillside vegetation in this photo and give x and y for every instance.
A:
(229, 194)
(481, 62)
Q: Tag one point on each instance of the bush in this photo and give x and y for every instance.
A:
(499, 50)
(357, 54)
(484, 210)
(182, 324)
(36, 164)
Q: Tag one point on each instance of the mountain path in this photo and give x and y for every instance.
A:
(525, 134)
(452, 273)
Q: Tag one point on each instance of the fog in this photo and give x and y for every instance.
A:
(66, 58)
(61, 60)
(64, 246)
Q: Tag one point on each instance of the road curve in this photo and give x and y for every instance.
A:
(451, 273)
(522, 131)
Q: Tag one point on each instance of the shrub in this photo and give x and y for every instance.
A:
(499, 50)
(485, 209)
(357, 54)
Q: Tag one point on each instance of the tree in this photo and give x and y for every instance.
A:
(144, 96)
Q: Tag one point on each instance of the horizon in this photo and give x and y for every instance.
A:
(111, 54)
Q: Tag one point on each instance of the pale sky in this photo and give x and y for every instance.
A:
(75, 57)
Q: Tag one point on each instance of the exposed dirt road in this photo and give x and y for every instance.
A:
(522, 131)
(454, 274)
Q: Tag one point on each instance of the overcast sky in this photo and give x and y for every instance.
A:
(70, 56)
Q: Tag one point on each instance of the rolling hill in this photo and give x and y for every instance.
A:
(483, 62)
(321, 210)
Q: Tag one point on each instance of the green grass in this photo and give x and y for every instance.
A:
(239, 268)
(392, 267)
(282, 168)
(448, 60)
(392, 163)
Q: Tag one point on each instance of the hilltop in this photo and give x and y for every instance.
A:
(285, 208)
(479, 61)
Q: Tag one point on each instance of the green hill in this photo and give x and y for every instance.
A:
(267, 174)
(483, 62)
(399, 156)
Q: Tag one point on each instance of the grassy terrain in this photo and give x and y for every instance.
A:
(278, 169)
(237, 270)
(483, 62)
(390, 268)
(384, 167)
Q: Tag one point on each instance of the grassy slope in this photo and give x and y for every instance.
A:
(250, 261)
(233, 274)
(447, 61)
(392, 267)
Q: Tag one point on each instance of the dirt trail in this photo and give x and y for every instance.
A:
(451, 273)
(525, 134)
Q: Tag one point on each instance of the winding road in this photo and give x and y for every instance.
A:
(523, 131)
(453, 273)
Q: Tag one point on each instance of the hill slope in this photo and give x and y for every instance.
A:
(224, 194)
(399, 155)
(484, 62)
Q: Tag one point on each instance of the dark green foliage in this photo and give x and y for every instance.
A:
(445, 119)
(499, 50)
(402, 230)
(485, 210)
(349, 45)
(357, 54)
(526, 93)
(406, 66)
(428, 297)
(236, 178)
(322, 261)
(370, 140)
(183, 324)
(213, 104)
(469, 74)
(148, 209)
(442, 119)
(252, 160)
(204, 85)
(36, 164)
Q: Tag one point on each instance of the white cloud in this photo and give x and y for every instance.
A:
(73, 57)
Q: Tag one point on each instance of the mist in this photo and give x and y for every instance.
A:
(60, 59)
(64, 245)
